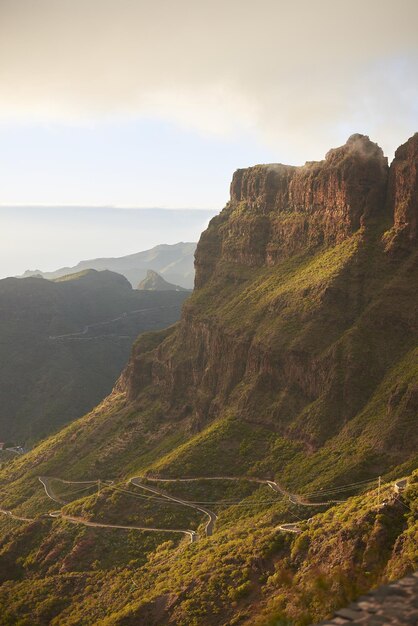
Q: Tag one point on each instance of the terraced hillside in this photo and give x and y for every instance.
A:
(288, 387)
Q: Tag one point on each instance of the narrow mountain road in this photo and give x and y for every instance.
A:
(46, 482)
(195, 479)
(136, 480)
(81, 334)
(275, 486)
(16, 517)
(292, 527)
(298, 499)
(79, 520)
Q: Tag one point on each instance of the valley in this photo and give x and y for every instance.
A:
(250, 454)
(63, 344)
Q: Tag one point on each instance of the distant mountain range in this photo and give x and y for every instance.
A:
(63, 343)
(175, 263)
(56, 236)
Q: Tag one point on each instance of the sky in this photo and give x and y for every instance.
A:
(47, 238)
(132, 103)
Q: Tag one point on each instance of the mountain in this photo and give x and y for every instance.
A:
(286, 401)
(154, 282)
(173, 262)
(64, 343)
(43, 235)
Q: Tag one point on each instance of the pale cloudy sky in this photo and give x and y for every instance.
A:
(155, 103)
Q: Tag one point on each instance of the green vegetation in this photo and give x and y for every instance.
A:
(248, 568)
(304, 373)
(47, 380)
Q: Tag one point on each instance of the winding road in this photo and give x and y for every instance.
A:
(275, 486)
(292, 527)
(46, 482)
(82, 333)
(16, 517)
(136, 480)
(79, 520)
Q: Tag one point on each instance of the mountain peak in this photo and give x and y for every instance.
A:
(100, 279)
(278, 210)
(154, 282)
(360, 146)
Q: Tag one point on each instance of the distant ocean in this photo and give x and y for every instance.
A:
(46, 238)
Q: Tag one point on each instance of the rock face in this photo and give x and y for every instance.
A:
(277, 210)
(293, 301)
(295, 360)
(403, 196)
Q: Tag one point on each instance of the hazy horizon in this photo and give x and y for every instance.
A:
(49, 237)
(136, 104)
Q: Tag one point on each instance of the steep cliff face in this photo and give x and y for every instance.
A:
(295, 298)
(277, 210)
(295, 359)
(402, 196)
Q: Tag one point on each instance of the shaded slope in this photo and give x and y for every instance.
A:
(63, 345)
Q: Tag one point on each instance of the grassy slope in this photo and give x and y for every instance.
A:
(248, 573)
(247, 567)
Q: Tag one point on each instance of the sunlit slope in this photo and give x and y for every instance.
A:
(249, 569)
(360, 424)
(288, 385)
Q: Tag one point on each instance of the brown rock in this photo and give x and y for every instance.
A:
(278, 210)
(297, 361)
(402, 197)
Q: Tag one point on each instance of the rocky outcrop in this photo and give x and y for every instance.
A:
(276, 211)
(402, 198)
(292, 358)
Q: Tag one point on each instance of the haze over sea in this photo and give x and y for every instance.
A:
(47, 238)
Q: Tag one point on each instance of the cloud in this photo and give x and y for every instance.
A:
(301, 76)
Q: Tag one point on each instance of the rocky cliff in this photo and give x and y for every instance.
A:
(295, 360)
(277, 210)
(402, 196)
(294, 297)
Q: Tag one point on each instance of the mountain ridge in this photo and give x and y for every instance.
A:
(294, 361)
(173, 261)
